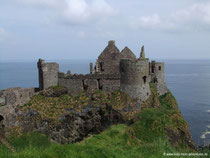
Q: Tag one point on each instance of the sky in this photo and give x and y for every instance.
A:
(80, 29)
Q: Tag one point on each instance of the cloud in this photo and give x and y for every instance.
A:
(74, 11)
(152, 21)
(81, 34)
(3, 35)
(40, 3)
(196, 16)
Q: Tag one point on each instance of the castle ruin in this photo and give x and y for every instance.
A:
(113, 70)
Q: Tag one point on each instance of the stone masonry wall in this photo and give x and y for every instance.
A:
(48, 74)
(157, 76)
(12, 97)
(109, 59)
(90, 82)
(135, 78)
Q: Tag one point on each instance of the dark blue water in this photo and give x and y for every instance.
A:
(189, 81)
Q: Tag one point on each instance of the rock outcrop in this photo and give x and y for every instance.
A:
(72, 127)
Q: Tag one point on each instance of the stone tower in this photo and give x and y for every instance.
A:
(135, 77)
(157, 77)
(48, 74)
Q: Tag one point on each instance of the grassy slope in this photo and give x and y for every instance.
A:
(113, 142)
(146, 138)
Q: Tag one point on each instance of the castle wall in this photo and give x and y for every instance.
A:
(16, 96)
(135, 78)
(48, 74)
(157, 76)
(12, 97)
(74, 86)
(89, 82)
(110, 85)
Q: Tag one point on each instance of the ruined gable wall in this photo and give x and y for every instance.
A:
(109, 59)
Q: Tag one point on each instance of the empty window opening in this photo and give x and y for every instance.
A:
(159, 67)
(101, 66)
(147, 94)
(145, 79)
(100, 87)
(155, 80)
(1, 118)
(153, 69)
(84, 85)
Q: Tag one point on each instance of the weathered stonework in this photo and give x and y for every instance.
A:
(157, 77)
(135, 78)
(48, 74)
(108, 61)
(89, 82)
(128, 54)
(16, 96)
(113, 70)
(11, 98)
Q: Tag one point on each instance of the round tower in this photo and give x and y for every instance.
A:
(135, 78)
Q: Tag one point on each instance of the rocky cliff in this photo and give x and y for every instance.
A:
(68, 119)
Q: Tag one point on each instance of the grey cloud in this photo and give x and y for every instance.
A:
(196, 16)
(74, 11)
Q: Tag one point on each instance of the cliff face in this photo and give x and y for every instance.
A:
(160, 117)
(67, 119)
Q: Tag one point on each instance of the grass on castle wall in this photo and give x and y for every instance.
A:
(143, 139)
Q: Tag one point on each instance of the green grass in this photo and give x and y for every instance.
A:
(146, 138)
(115, 142)
(112, 143)
(53, 107)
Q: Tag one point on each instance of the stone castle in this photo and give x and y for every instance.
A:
(113, 70)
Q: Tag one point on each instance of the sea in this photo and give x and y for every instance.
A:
(188, 80)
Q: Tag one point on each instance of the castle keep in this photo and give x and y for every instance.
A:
(113, 70)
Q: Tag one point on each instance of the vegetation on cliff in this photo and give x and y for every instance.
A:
(54, 102)
(157, 129)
